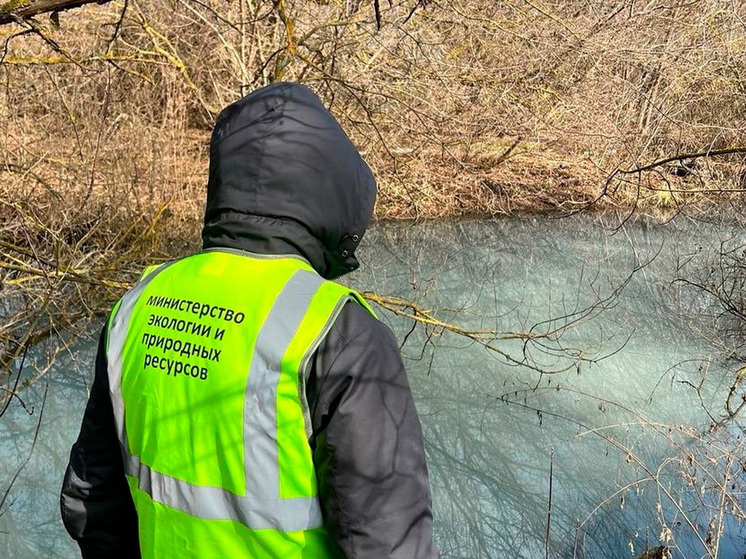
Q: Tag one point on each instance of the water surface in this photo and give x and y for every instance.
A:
(620, 428)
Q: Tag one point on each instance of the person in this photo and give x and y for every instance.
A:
(244, 405)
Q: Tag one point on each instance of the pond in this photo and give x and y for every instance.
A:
(618, 399)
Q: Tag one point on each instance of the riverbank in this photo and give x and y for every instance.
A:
(167, 197)
(80, 237)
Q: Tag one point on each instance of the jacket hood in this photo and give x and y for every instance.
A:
(285, 178)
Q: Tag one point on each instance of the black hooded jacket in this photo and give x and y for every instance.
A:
(285, 179)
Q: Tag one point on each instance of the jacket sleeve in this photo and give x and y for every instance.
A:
(96, 504)
(367, 443)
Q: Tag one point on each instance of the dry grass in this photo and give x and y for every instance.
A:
(461, 107)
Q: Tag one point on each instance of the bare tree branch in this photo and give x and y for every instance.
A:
(684, 157)
(22, 9)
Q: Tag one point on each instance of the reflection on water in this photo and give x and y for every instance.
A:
(625, 430)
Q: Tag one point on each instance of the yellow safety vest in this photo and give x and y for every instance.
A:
(206, 364)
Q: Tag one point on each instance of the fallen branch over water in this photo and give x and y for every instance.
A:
(408, 309)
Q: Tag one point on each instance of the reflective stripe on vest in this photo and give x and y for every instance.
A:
(260, 506)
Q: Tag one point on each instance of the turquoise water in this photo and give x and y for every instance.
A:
(625, 430)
